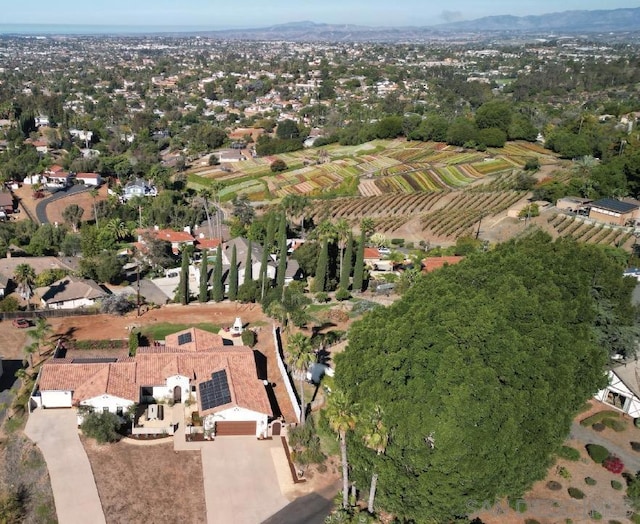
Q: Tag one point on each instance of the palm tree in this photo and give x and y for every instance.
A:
(341, 417)
(205, 195)
(40, 333)
(299, 359)
(118, 228)
(25, 276)
(295, 206)
(376, 437)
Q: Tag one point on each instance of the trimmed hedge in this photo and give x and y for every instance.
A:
(615, 425)
(598, 426)
(590, 481)
(597, 453)
(599, 417)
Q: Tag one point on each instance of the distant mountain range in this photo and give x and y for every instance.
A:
(612, 20)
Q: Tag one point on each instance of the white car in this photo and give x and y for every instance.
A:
(384, 251)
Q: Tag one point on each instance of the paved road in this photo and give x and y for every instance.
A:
(240, 480)
(41, 207)
(74, 488)
(630, 459)
(310, 509)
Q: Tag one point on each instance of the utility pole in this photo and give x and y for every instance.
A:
(138, 285)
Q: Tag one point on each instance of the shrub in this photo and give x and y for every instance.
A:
(101, 426)
(613, 464)
(564, 472)
(322, 297)
(636, 422)
(598, 426)
(554, 486)
(342, 294)
(635, 446)
(597, 453)
(278, 165)
(595, 515)
(590, 481)
(134, 343)
(614, 522)
(615, 425)
(569, 453)
(397, 241)
(616, 485)
(249, 338)
(531, 521)
(575, 493)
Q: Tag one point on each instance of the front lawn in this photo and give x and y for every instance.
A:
(162, 329)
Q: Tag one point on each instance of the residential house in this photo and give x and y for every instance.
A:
(293, 272)
(430, 264)
(193, 366)
(178, 239)
(242, 246)
(6, 202)
(138, 188)
(89, 179)
(623, 391)
(374, 261)
(230, 155)
(57, 178)
(70, 293)
(573, 204)
(614, 211)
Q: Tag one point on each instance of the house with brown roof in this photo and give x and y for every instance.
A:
(177, 239)
(193, 366)
(70, 293)
(6, 202)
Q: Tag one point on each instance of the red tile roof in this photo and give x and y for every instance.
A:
(371, 253)
(153, 365)
(207, 243)
(432, 263)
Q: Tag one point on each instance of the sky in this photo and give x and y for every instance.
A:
(216, 14)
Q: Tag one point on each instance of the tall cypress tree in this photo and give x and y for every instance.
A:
(282, 258)
(184, 279)
(320, 280)
(358, 270)
(218, 290)
(248, 268)
(203, 296)
(346, 264)
(233, 276)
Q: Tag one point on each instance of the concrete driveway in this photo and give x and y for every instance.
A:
(74, 488)
(242, 479)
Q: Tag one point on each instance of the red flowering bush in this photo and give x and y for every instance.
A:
(614, 465)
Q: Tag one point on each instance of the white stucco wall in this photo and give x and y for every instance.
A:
(110, 402)
(238, 414)
(163, 392)
(631, 406)
(56, 399)
(71, 304)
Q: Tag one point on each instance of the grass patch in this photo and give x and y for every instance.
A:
(162, 329)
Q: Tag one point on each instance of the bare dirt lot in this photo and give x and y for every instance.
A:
(147, 484)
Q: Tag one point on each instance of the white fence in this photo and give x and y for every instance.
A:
(285, 375)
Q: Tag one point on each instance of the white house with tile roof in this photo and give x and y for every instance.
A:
(193, 364)
(623, 391)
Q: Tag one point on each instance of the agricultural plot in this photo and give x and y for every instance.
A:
(591, 232)
(461, 215)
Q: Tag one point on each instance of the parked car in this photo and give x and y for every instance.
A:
(21, 323)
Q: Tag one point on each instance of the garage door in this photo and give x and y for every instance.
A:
(235, 428)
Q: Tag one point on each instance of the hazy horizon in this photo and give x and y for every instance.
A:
(195, 15)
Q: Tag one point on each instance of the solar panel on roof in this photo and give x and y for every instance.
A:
(215, 392)
(185, 338)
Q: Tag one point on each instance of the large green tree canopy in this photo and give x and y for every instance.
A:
(479, 370)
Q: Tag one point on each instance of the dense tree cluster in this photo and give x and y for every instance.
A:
(479, 370)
